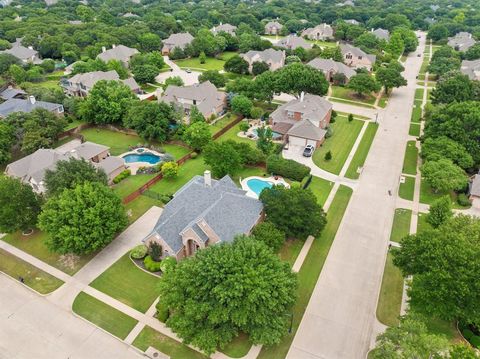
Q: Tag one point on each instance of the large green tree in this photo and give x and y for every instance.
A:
(83, 219)
(150, 120)
(223, 158)
(237, 65)
(440, 212)
(453, 87)
(241, 105)
(267, 233)
(363, 84)
(297, 78)
(7, 139)
(197, 135)
(226, 289)
(436, 148)
(443, 175)
(390, 77)
(214, 77)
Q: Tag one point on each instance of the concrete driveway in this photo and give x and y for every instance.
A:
(188, 78)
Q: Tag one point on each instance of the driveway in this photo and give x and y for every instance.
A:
(188, 78)
(339, 321)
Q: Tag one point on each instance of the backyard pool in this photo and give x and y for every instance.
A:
(142, 157)
(275, 135)
(258, 185)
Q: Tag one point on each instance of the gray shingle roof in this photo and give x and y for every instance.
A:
(120, 52)
(313, 108)
(229, 29)
(293, 42)
(11, 92)
(306, 129)
(21, 52)
(20, 105)
(89, 79)
(323, 30)
(462, 41)
(471, 69)
(273, 24)
(268, 55)
(345, 48)
(225, 208)
(179, 40)
(382, 34)
(327, 65)
(110, 164)
(88, 150)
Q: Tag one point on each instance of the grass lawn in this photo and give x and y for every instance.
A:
(340, 144)
(414, 129)
(383, 100)
(290, 250)
(407, 188)
(231, 134)
(211, 63)
(247, 172)
(419, 94)
(149, 337)
(221, 123)
(360, 156)
(410, 160)
(238, 347)
(131, 183)
(139, 206)
(348, 102)
(358, 117)
(103, 315)
(129, 284)
(417, 111)
(347, 94)
(33, 277)
(423, 68)
(390, 300)
(422, 224)
(428, 196)
(401, 224)
(321, 189)
(74, 124)
(323, 43)
(311, 268)
(34, 245)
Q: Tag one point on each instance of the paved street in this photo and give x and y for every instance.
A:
(340, 318)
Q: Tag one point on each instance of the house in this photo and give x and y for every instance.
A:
(462, 41)
(352, 22)
(434, 7)
(31, 169)
(117, 52)
(204, 96)
(357, 58)
(229, 29)
(471, 69)
(292, 42)
(202, 213)
(24, 54)
(302, 121)
(346, 3)
(474, 188)
(81, 84)
(331, 68)
(320, 32)
(274, 58)
(10, 92)
(381, 34)
(180, 40)
(273, 28)
(28, 105)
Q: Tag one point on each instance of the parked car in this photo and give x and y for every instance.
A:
(308, 151)
(188, 71)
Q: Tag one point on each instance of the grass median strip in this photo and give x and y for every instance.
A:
(362, 151)
(414, 129)
(410, 160)
(391, 292)
(103, 315)
(401, 224)
(407, 188)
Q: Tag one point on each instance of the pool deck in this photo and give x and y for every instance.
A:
(270, 179)
(134, 166)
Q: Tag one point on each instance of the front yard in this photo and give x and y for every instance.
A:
(349, 95)
(407, 188)
(321, 188)
(211, 63)
(139, 206)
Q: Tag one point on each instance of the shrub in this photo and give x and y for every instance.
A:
(267, 233)
(139, 252)
(168, 264)
(155, 251)
(295, 184)
(151, 265)
(256, 112)
(244, 126)
(194, 155)
(170, 170)
(475, 341)
(328, 156)
(287, 168)
(162, 312)
(463, 200)
(122, 176)
(467, 333)
(329, 132)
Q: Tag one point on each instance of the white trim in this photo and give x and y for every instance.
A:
(270, 179)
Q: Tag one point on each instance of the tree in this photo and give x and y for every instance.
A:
(17, 74)
(7, 60)
(149, 42)
(453, 87)
(202, 57)
(119, 68)
(409, 38)
(350, 117)
(410, 339)
(443, 175)
(259, 67)
(174, 80)
(214, 77)
(7, 139)
(368, 42)
(291, 59)
(267, 233)
(195, 115)
(241, 105)
(83, 219)
(363, 84)
(151, 120)
(328, 156)
(390, 77)
(265, 140)
(19, 205)
(223, 158)
(437, 32)
(473, 53)
(440, 211)
(395, 45)
(107, 102)
(69, 174)
(237, 65)
(145, 73)
(436, 148)
(197, 135)
(444, 60)
(226, 289)
(297, 78)
(294, 211)
(444, 264)
(170, 169)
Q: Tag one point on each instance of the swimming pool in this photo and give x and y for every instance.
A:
(142, 157)
(275, 135)
(258, 185)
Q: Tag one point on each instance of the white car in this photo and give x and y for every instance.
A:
(308, 151)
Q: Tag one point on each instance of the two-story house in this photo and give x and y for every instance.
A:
(120, 53)
(273, 28)
(275, 59)
(180, 41)
(24, 54)
(81, 84)
(357, 58)
(292, 42)
(29, 104)
(320, 32)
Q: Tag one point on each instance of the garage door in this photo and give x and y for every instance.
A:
(296, 141)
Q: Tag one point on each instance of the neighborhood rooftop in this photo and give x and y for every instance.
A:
(27, 105)
(117, 52)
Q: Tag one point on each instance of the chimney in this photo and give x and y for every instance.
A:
(104, 49)
(31, 99)
(302, 96)
(207, 176)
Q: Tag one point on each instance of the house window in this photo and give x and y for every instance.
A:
(194, 102)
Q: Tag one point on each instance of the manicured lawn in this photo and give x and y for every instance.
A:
(290, 250)
(390, 300)
(311, 268)
(340, 144)
(360, 156)
(383, 100)
(248, 172)
(347, 94)
(232, 134)
(321, 189)
(401, 224)
(422, 224)
(323, 43)
(427, 195)
(175, 150)
(139, 206)
(149, 337)
(33, 277)
(419, 94)
(358, 117)
(348, 102)
(210, 64)
(410, 160)
(238, 347)
(34, 245)
(417, 111)
(131, 183)
(414, 129)
(74, 124)
(424, 66)
(407, 188)
(103, 315)
(221, 123)
(129, 284)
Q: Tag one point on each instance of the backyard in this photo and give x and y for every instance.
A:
(222, 122)
(211, 63)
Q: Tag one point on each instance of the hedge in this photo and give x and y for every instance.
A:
(162, 312)
(124, 174)
(139, 252)
(287, 168)
(475, 341)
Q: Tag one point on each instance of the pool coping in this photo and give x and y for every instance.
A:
(250, 193)
(134, 166)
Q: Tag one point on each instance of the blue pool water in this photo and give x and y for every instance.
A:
(258, 185)
(142, 157)
(275, 135)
